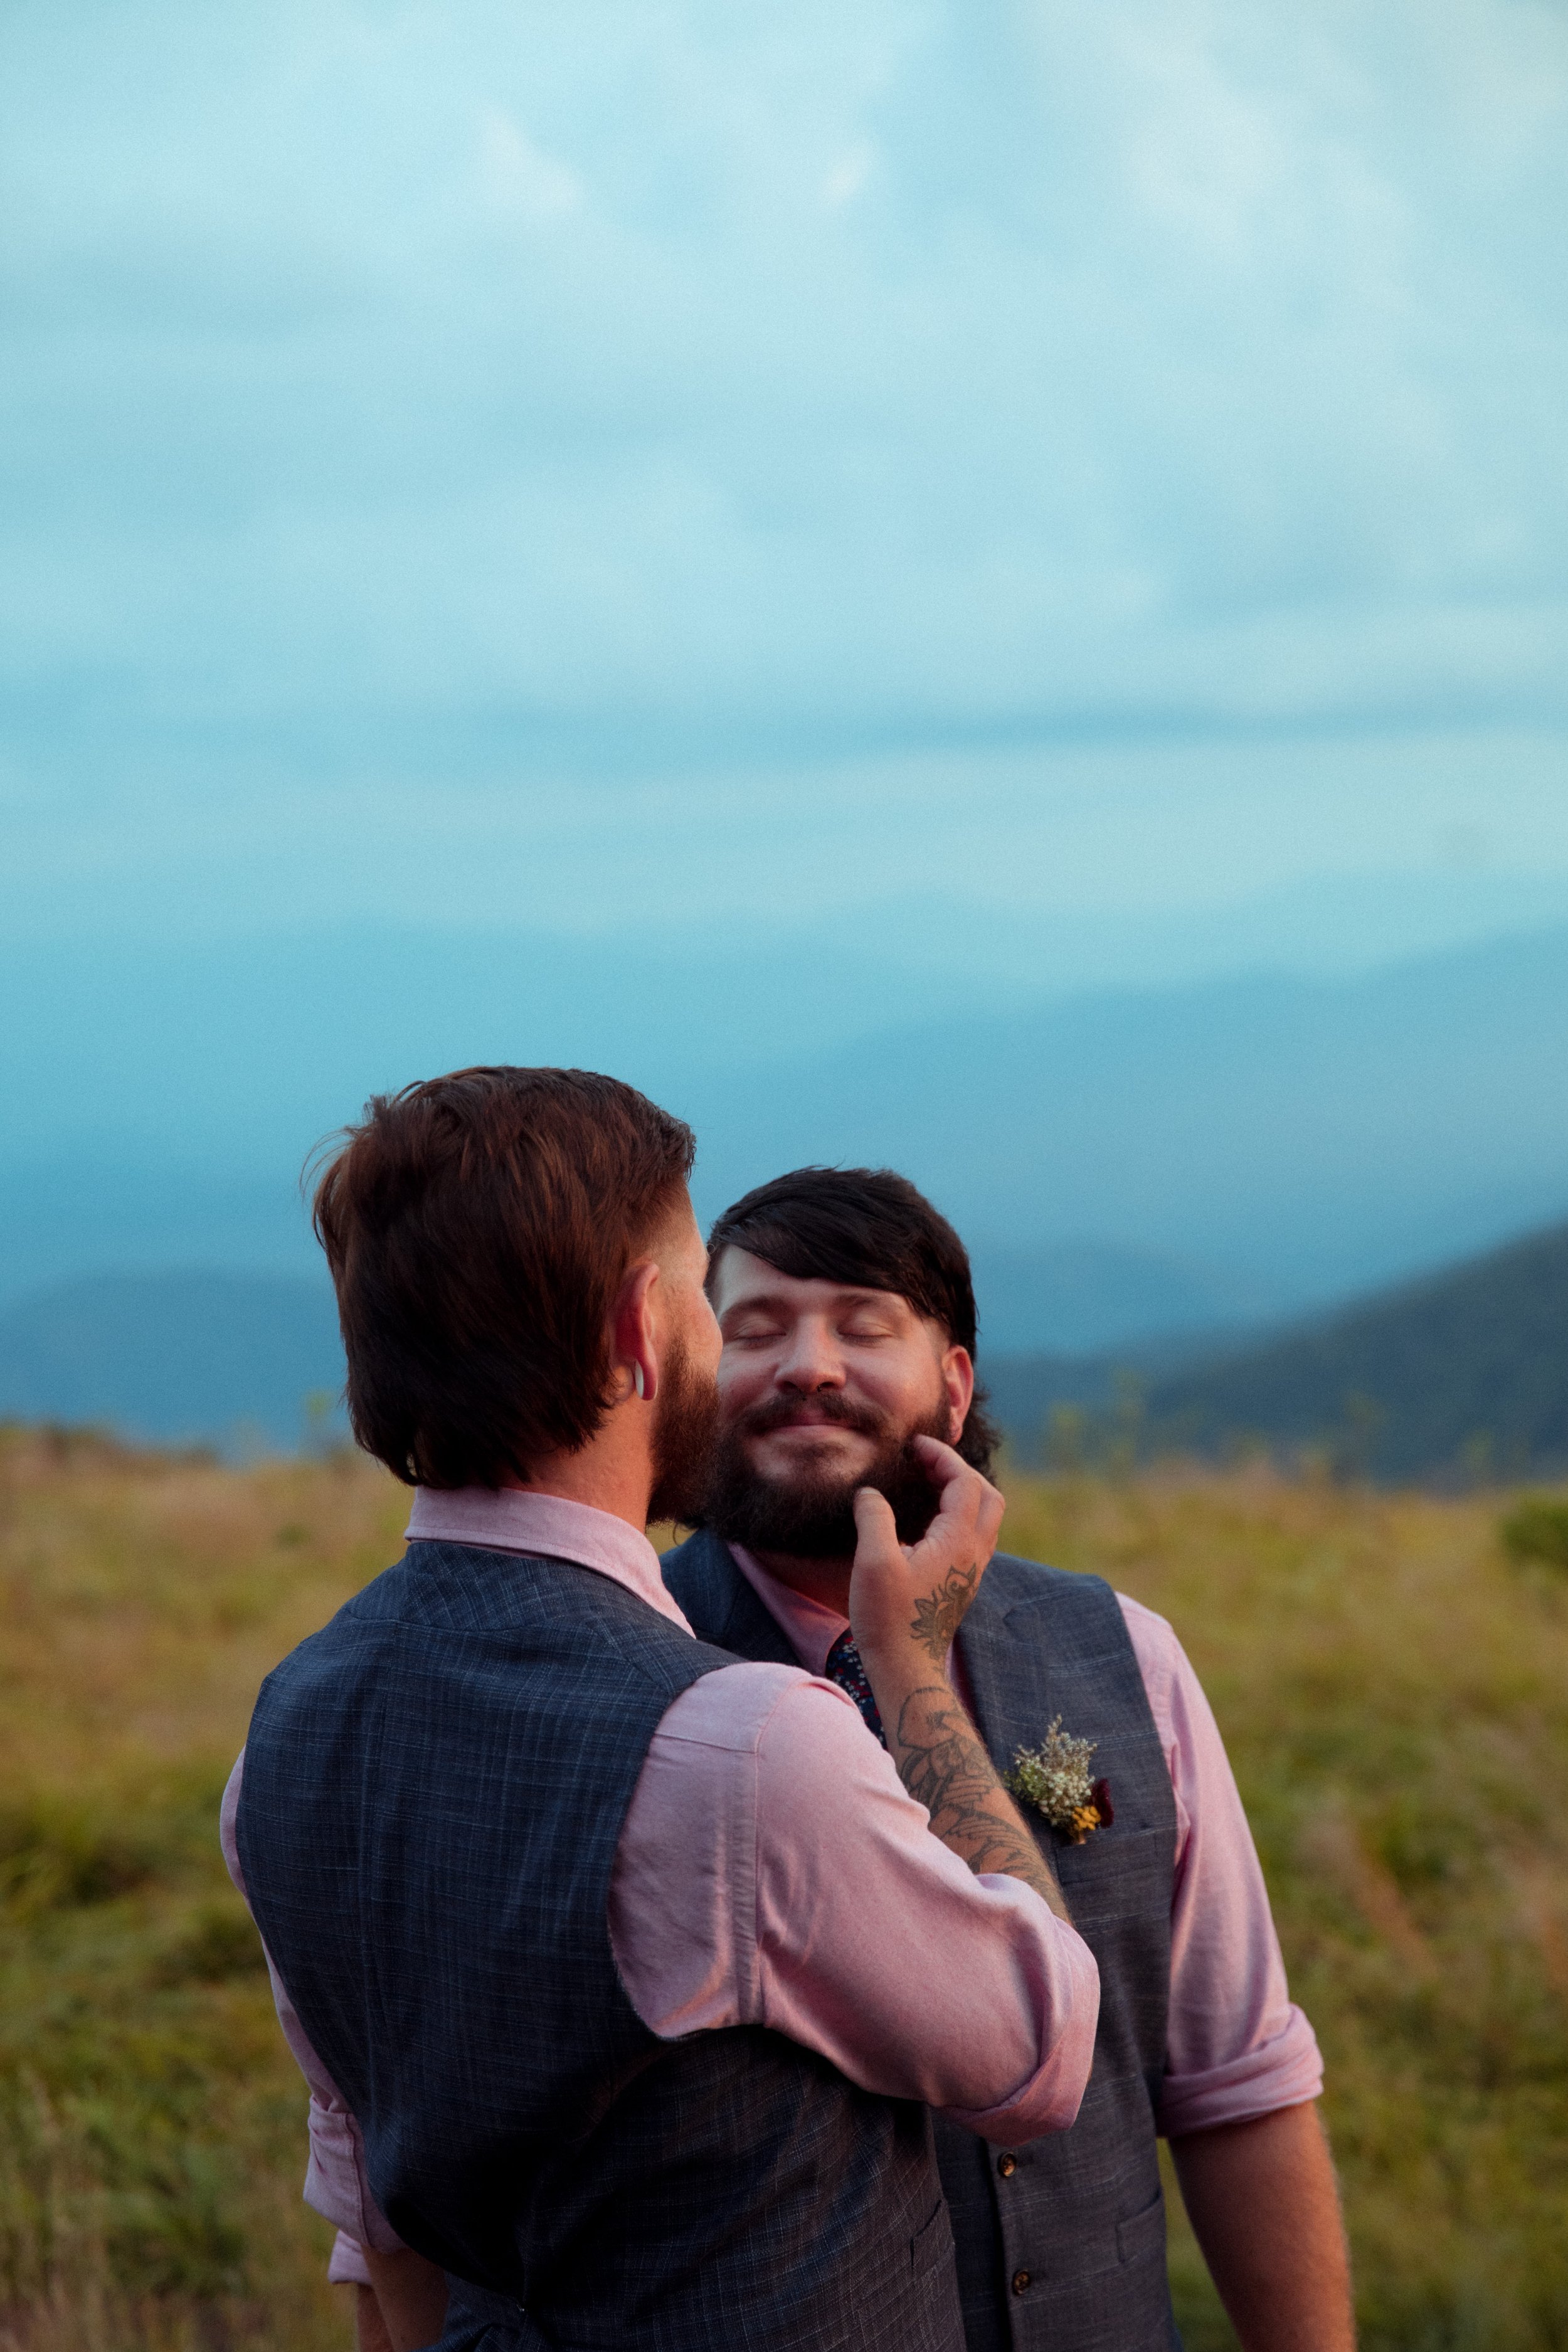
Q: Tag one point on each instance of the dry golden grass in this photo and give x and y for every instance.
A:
(149, 2120)
(1394, 1696)
(1392, 1690)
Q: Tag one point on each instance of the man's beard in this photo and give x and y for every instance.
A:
(685, 1427)
(811, 1515)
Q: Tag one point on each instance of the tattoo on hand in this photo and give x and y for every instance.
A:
(938, 1615)
(944, 1766)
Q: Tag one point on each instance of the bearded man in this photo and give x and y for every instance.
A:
(622, 1972)
(848, 1323)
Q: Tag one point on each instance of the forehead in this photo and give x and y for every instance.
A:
(740, 1279)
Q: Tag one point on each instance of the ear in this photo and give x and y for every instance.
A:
(633, 1339)
(958, 1380)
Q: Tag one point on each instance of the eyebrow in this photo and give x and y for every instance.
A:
(846, 1297)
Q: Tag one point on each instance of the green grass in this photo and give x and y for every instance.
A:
(151, 2121)
(1394, 1696)
(1392, 1684)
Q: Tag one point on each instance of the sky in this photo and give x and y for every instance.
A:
(599, 468)
(698, 541)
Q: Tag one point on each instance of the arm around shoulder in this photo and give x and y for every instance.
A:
(879, 1947)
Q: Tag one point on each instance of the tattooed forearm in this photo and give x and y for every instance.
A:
(942, 1765)
(939, 1616)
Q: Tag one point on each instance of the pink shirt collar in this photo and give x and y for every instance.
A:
(809, 1626)
(518, 1520)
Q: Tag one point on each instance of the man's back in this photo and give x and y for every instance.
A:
(458, 1751)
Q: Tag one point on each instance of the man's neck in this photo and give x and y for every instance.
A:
(607, 1474)
(824, 1580)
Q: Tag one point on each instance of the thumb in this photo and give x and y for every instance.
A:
(875, 1526)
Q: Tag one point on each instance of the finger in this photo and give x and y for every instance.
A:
(949, 1473)
(954, 1536)
(993, 1509)
(942, 1463)
(968, 1518)
(876, 1529)
(948, 1469)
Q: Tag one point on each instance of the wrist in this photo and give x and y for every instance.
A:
(897, 1656)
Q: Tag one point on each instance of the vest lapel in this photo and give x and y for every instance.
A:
(1006, 1648)
(719, 1605)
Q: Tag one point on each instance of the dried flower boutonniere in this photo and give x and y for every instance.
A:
(1054, 1779)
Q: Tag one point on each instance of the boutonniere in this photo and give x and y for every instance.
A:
(1054, 1779)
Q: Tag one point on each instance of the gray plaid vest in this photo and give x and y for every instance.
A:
(1062, 2242)
(434, 1789)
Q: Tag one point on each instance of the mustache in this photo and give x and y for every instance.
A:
(782, 1412)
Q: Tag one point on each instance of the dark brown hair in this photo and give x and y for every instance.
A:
(477, 1227)
(868, 1226)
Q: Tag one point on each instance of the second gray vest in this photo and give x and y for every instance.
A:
(1062, 2240)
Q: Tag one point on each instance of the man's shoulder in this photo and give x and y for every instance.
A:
(1012, 1581)
(1072, 1595)
(696, 1552)
(702, 1575)
(719, 1603)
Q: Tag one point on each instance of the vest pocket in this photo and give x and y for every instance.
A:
(932, 2247)
(1142, 2234)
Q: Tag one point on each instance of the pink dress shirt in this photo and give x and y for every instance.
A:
(773, 1870)
(1236, 2045)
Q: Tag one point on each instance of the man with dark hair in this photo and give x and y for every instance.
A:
(848, 1323)
(624, 1973)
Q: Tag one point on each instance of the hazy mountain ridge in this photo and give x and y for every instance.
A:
(1465, 1372)
(1461, 1374)
(1295, 1137)
(230, 1358)
(225, 1358)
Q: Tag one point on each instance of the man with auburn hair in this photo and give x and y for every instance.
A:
(847, 1315)
(624, 1973)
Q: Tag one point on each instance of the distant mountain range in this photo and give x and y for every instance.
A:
(1235, 1149)
(230, 1359)
(1462, 1375)
(240, 1361)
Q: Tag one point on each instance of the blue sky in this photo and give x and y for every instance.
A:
(601, 466)
(694, 539)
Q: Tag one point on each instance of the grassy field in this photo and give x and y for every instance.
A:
(1394, 1687)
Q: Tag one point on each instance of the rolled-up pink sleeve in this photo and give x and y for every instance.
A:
(773, 1870)
(1236, 2045)
(346, 2265)
(337, 2185)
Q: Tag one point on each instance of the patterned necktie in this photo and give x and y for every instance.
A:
(843, 1667)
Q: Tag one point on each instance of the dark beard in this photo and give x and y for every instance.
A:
(685, 1428)
(813, 1516)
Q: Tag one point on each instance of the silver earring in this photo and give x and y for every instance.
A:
(637, 1381)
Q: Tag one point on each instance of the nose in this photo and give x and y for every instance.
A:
(812, 1360)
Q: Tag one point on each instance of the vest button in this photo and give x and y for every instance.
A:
(1021, 2282)
(1007, 2165)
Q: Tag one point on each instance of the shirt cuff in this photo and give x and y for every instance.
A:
(336, 2183)
(1069, 2010)
(348, 2266)
(1284, 2071)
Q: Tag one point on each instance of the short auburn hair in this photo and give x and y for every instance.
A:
(477, 1227)
(873, 1228)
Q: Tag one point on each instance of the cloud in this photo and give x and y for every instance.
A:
(518, 175)
(848, 177)
(895, 368)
